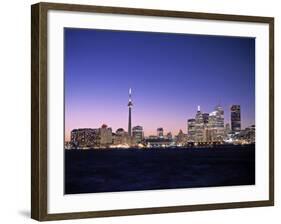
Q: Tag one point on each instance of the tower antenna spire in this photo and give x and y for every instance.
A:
(130, 94)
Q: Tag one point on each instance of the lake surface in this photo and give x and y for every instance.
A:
(111, 170)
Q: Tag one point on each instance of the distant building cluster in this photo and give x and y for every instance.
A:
(210, 128)
(205, 129)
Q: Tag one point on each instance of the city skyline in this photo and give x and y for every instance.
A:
(205, 129)
(167, 92)
(167, 132)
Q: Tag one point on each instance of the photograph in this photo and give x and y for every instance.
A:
(157, 111)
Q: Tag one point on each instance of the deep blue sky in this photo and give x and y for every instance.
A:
(170, 74)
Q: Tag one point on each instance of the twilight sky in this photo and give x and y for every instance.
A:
(170, 74)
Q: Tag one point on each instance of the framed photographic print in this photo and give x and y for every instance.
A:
(141, 111)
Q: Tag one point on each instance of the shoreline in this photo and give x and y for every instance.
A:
(220, 146)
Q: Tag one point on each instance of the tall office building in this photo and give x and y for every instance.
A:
(227, 128)
(235, 115)
(160, 132)
(211, 130)
(130, 105)
(219, 117)
(138, 134)
(219, 123)
(214, 130)
(205, 118)
(199, 126)
(191, 130)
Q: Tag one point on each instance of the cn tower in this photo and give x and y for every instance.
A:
(130, 105)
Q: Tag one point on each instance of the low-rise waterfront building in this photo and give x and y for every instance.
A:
(121, 138)
(105, 135)
(158, 142)
(85, 138)
(160, 132)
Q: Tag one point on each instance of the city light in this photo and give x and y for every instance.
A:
(203, 130)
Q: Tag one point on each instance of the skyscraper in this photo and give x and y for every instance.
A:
(205, 118)
(219, 123)
(235, 118)
(220, 117)
(199, 126)
(130, 105)
(227, 128)
(191, 131)
(215, 128)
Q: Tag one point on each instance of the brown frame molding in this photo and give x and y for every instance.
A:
(39, 110)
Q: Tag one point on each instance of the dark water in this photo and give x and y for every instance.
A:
(92, 171)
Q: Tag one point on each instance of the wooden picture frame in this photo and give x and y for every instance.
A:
(39, 109)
